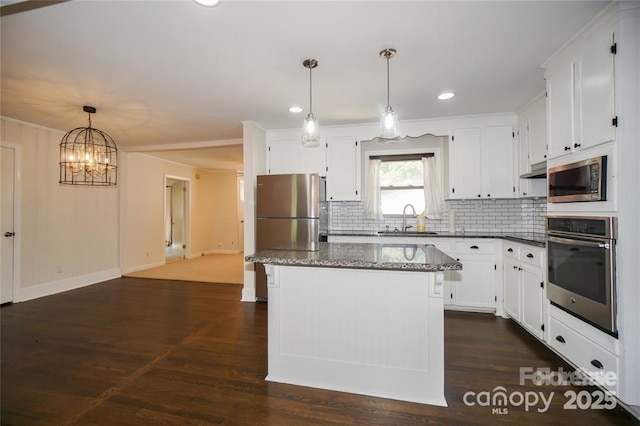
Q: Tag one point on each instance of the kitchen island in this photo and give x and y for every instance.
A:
(359, 318)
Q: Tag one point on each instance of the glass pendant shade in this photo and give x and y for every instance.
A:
(389, 124)
(310, 131)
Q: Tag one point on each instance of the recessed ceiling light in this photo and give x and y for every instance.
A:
(295, 109)
(207, 3)
(446, 95)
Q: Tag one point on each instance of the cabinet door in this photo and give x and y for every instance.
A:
(595, 87)
(497, 162)
(290, 157)
(532, 297)
(343, 169)
(512, 289)
(281, 158)
(560, 110)
(538, 131)
(465, 165)
(474, 286)
(523, 145)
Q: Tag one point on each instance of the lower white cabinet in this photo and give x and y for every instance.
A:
(474, 287)
(533, 300)
(524, 294)
(588, 349)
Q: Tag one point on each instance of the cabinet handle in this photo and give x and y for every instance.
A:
(567, 148)
(515, 267)
(510, 250)
(524, 193)
(479, 195)
(530, 256)
(576, 145)
(488, 195)
(560, 339)
(597, 364)
(474, 247)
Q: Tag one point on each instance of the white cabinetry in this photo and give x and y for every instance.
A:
(532, 147)
(580, 91)
(343, 169)
(524, 298)
(481, 164)
(289, 156)
(590, 350)
(473, 287)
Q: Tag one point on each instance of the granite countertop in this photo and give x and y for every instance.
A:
(412, 257)
(531, 238)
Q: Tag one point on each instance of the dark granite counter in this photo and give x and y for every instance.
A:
(412, 257)
(534, 239)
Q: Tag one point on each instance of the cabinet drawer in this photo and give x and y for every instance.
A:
(534, 256)
(510, 250)
(582, 352)
(474, 247)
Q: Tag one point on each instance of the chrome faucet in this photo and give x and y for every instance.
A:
(404, 216)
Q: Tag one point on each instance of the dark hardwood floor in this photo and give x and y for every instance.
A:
(140, 351)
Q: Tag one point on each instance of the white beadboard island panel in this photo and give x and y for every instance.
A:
(370, 332)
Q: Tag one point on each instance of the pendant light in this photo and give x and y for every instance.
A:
(88, 156)
(389, 119)
(310, 128)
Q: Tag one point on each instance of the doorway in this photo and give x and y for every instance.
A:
(176, 218)
(9, 222)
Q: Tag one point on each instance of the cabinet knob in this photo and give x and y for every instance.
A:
(576, 145)
(524, 193)
(488, 195)
(597, 364)
(560, 339)
(479, 195)
(567, 148)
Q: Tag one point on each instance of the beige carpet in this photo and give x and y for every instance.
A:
(212, 268)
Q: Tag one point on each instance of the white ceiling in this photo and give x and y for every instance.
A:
(174, 72)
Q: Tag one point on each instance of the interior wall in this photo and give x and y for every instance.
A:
(68, 234)
(143, 212)
(225, 212)
(202, 216)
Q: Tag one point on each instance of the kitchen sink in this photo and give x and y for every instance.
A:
(406, 234)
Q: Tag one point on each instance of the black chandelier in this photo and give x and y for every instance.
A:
(88, 156)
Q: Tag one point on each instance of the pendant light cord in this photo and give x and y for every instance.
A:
(388, 90)
(310, 93)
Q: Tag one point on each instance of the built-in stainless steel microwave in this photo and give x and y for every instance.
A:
(581, 181)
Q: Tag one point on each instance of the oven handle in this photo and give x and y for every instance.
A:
(605, 244)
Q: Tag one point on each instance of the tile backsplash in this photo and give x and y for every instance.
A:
(508, 215)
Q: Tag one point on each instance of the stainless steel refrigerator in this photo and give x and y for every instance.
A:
(291, 214)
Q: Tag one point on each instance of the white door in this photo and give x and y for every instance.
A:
(7, 167)
(512, 287)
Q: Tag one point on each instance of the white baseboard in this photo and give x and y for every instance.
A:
(54, 287)
(248, 294)
(143, 267)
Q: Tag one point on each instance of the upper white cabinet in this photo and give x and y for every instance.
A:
(481, 163)
(343, 169)
(465, 164)
(580, 91)
(532, 147)
(290, 156)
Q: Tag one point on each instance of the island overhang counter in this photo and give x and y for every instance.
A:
(358, 318)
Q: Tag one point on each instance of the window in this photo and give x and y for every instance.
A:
(402, 182)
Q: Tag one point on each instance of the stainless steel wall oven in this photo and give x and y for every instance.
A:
(581, 268)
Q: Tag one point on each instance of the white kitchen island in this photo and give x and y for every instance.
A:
(359, 318)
